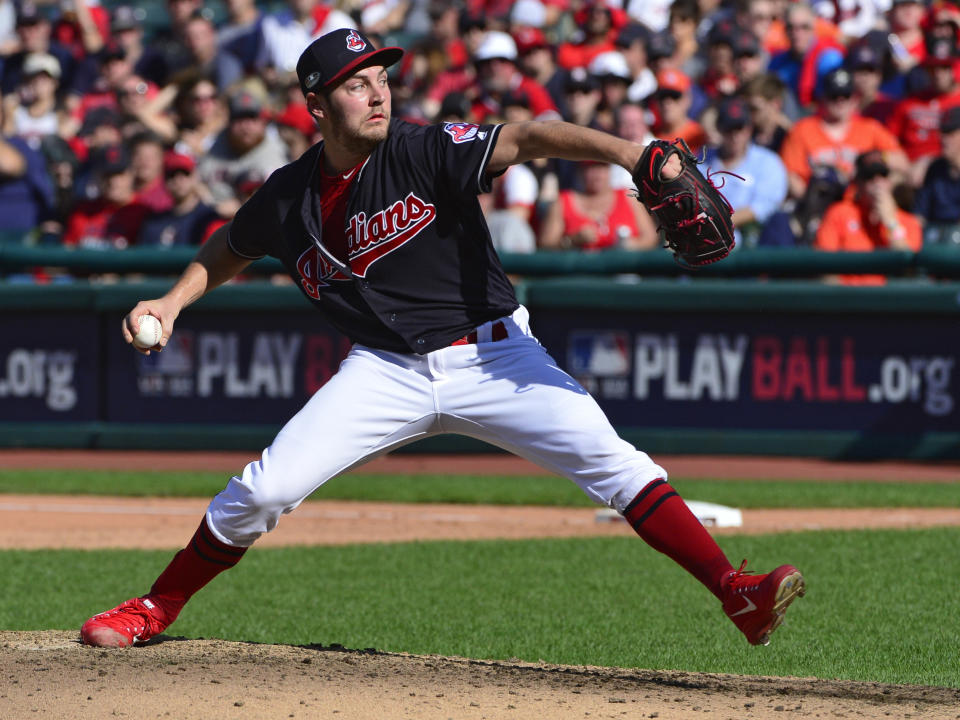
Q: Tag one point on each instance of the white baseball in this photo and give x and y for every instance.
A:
(150, 332)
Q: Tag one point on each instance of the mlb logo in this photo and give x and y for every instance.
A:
(603, 354)
(461, 132)
(355, 42)
(176, 358)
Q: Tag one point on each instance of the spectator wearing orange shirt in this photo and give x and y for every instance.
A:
(672, 102)
(869, 219)
(835, 136)
(916, 119)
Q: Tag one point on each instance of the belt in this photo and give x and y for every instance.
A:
(498, 332)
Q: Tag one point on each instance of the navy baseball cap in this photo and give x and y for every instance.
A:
(870, 164)
(941, 51)
(331, 57)
(950, 119)
(837, 83)
(733, 114)
(110, 160)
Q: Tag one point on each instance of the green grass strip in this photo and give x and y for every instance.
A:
(497, 490)
(881, 606)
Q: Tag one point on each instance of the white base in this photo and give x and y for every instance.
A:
(709, 514)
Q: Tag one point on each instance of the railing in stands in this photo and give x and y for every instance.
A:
(938, 261)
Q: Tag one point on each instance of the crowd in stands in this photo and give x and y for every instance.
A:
(829, 124)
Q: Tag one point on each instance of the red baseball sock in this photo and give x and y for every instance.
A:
(198, 563)
(661, 517)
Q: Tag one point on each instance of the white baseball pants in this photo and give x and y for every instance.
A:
(509, 393)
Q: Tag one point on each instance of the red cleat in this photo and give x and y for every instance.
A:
(757, 603)
(130, 623)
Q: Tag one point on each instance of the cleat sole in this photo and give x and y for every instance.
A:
(791, 587)
(104, 637)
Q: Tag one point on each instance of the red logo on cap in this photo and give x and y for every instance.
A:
(355, 42)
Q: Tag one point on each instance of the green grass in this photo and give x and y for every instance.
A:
(526, 490)
(881, 606)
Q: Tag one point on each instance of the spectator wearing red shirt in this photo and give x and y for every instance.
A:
(916, 119)
(114, 218)
(599, 24)
(498, 75)
(943, 19)
(598, 218)
(100, 129)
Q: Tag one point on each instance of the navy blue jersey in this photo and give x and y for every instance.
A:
(422, 271)
(938, 201)
(167, 229)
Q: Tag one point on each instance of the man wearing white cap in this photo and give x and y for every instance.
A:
(498, 75)
(611, 70)
(32, 111)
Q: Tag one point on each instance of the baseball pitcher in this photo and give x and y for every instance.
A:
(380, 227)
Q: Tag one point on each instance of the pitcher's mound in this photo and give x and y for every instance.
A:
(50, 674)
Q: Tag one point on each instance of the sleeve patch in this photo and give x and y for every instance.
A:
(463, 132)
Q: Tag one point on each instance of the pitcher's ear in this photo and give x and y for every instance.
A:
(315, 106)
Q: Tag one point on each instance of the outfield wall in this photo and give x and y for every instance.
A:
(705, 366)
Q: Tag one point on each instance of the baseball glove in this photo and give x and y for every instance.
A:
(695, 218)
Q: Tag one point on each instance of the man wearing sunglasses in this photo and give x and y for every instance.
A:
(870, 219)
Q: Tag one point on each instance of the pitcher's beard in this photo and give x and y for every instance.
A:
(359, 141)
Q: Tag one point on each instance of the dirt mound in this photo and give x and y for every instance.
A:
(49, 674)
